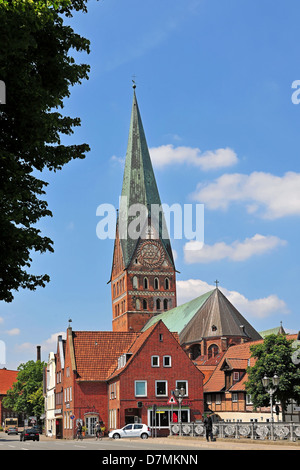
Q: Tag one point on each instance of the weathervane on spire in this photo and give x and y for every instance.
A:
(216, 282)
(133, 81)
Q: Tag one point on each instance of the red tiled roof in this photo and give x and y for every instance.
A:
(237, 357)
(7, 378)
(135, 348)
(97, 352)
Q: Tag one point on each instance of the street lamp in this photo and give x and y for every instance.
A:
(179, 394)
(271, 389)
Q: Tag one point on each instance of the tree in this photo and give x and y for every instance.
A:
(38, 71)
(274, 356)
(26, 395)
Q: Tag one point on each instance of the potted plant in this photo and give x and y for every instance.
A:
(83, 430)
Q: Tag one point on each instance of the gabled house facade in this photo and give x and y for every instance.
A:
(143, 383)
(225, 392)
(118, 377)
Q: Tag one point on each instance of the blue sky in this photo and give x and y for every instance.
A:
(214, 87)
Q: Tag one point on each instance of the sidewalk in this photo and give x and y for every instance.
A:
(231, 444)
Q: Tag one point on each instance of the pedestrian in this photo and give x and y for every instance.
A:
(208, 424)
(98, 430)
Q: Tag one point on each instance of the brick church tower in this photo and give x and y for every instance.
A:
(143, 279)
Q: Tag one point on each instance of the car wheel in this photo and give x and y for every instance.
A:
(144, 436)
(116, 436)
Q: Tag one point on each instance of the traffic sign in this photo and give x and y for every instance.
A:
(172, 400)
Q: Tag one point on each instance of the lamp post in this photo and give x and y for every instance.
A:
(179, 394)
(266, 381)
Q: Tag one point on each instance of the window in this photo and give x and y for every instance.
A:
(218, 399)
(145, 304)
(145, 283)
(167, 361)
(162, 418)
(135, 282)
(161, 337)
(213, 350)
(165, 304)
(155, 361)
(249, 400)
(183, 384)
(140, 388)
(156, 283)
(235, 397)
(167, 284)
(158, 304)
(161, 388)
(236, 376)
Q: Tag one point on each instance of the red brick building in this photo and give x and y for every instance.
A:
(225, 391)
(117, 377)
(7, 379)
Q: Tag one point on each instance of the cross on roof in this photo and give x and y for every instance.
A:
(216, 282)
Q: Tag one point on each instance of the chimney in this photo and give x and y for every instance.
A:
(38, 353)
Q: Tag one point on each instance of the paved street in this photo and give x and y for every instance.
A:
(152, 448)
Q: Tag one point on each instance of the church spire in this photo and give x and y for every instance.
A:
(139, 186)
(143, 277)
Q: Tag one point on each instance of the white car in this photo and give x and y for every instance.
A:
(131, 430)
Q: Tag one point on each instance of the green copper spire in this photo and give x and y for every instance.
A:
(139, 185)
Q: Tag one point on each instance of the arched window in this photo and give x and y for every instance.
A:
(157, 304)
(144, 304)
(145, 283)
(195, 351)
(213, 350)
(167, 284)
(138, 304)
(156, 283)
(165, 304)
(135, 282)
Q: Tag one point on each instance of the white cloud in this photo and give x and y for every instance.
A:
(194, 252)
(13, 331)
(47, 346)
(51, 343)
(257, 308)
(267, 195)
(118, 160)
(209, 160)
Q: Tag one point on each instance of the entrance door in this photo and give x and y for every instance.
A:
(90, 422)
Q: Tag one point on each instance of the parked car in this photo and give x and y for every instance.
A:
(12, 430)
(29, 435)
(38, 429)
(131, 430)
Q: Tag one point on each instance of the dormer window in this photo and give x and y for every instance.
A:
(123, 359)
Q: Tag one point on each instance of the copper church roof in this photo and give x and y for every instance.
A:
(207, 316)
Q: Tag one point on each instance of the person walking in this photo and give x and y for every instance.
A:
(98, 431)
(79, 431)
(208, 424)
